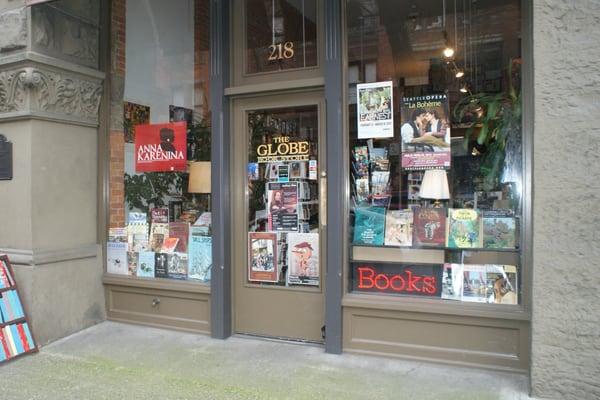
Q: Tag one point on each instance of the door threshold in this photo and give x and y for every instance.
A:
(280, 339)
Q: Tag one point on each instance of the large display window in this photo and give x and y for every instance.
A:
(160, 170)
(435, 134)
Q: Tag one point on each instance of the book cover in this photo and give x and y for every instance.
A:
(137, 231)
(303, 259)
(262, 257)
(159, 215)
(502, 284)
(499, 229)
(379, 183)
(10, 341)
(16, 338)
(116, 258)
(464, 228)
(362, 189)
(205, 219)
(132, 262)
(139, 242)
(430, 227)
(399, 228)
(379, 159)
(145, 267)
(369, 225)
(200, 255)
(180, 230)
(169, 245)
(177, 265)
(161, 269)
(452, 282)
(158, 233)
(474, 283)
(6, 279)
(118, 235)
(298, 170)
(175, 210)
(4, 354)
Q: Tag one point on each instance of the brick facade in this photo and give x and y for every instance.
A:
(116, 139)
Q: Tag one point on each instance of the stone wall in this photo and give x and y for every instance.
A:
(566, 286)
(50, 96)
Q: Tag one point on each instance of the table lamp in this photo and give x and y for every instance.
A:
(435, 186)
(199, 180)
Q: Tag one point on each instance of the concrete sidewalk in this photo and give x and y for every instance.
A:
(118, 361)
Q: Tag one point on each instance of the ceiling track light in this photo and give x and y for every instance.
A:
(448, 52)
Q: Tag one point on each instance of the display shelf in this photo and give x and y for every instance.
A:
(436, 306)
(12, 322)
(478, 249)
(32, 343)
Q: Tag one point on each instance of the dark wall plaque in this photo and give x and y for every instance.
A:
(6, 169)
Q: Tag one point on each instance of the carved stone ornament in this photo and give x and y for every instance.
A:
(30, 89)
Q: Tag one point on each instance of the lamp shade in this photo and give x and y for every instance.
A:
(435, 185)
(199, 181)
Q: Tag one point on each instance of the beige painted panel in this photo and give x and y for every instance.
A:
(398, 255)
(15, 194)
(497, 344)
(179, 310)
(63, 184)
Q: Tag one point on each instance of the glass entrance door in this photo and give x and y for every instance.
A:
(278, 226)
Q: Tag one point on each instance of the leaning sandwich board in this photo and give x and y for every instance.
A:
(16, 336)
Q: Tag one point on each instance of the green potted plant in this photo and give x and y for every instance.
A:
(495, 124)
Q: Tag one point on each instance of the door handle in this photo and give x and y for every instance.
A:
(323, 199)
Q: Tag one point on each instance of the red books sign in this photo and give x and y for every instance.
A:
(160, 147)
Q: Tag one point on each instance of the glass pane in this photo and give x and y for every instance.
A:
(283, 197)
(280, 35)
(435, 148)
(160, 224)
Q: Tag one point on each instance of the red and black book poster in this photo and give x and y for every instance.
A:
(429, 227)
(161, 147)
(399, 279)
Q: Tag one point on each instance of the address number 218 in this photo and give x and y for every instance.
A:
(281, 51)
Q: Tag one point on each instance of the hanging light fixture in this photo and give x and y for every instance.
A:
(460, 73)
(448, 50)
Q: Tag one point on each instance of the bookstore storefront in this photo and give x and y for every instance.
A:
(354, 174)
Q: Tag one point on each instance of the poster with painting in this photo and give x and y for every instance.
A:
(303, 259)
(375, 110)
(262, 257)
(177, 114)
(133, 115)
(425, 132)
